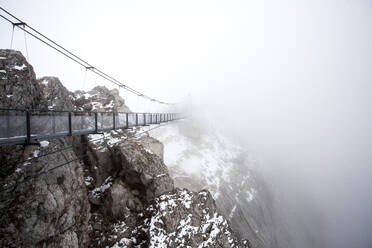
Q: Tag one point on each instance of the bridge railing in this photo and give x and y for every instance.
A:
(27, 126)
(12, 123)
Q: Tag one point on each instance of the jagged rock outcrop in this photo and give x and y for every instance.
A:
(122, 177)
(135, 203)
(117, 160)
(180, 218)
(202, 159)
(42, 205)
(188, 219)
(100, 99)
(18, 85)
(56, 95)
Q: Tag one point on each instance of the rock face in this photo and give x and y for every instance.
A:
(57, 96)
(117, 164)
(18, 85)
(180, 218)
(188, 219)
(42, 205)
(152, 145)
(100, 99)
(201, 159)
(134, 202)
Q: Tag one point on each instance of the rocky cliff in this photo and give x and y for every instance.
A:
(101, 190)
(199, 157)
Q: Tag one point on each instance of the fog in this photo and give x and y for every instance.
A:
(288, 80)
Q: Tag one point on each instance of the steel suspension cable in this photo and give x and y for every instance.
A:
(76, 58)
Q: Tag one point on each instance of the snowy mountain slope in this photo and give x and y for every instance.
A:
(201, 158)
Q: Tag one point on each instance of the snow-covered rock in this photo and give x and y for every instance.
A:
(100, 99)
(180, 218)
(199, 157)
(18, 85)
(57, 96)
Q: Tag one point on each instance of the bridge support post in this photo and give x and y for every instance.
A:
(127, 119)
(113, 121)
(136, 119)
(28, 127)
(144, 119)
(69, 124)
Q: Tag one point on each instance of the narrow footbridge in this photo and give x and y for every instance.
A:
(31, 126)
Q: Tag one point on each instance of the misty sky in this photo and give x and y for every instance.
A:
(290, 79)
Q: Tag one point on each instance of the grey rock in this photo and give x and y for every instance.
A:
(46, 206)
(57, 96)
(152, 145)
(100, 99)
(180, 218)
(18, 85)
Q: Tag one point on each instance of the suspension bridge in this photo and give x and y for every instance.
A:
(29, 126)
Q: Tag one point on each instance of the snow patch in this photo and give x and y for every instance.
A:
(101, 189)
(36, 153)
(19, 68)
(44, 143)
(88, 180)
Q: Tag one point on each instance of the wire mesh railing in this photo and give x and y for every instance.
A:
(29, 126)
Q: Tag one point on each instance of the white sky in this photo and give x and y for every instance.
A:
(297, 73)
